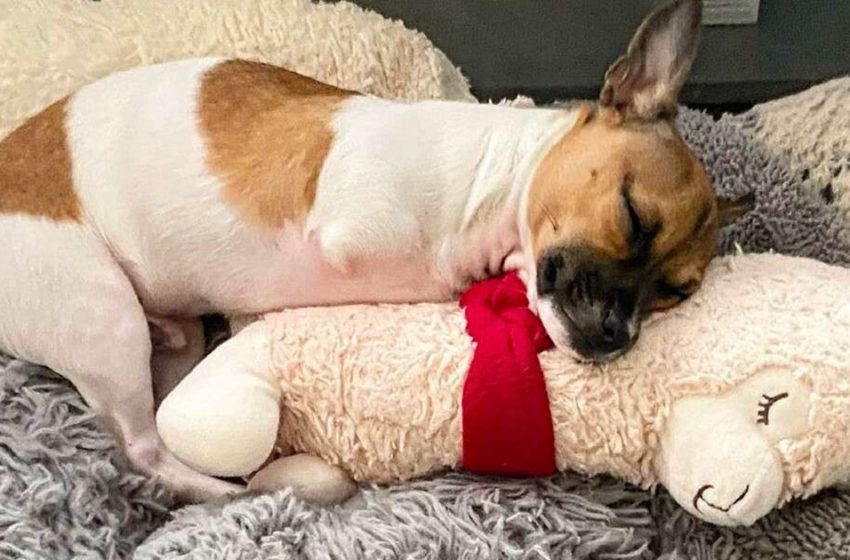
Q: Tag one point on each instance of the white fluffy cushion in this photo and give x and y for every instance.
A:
(52, 47)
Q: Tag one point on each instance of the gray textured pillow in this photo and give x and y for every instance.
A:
(787, 218)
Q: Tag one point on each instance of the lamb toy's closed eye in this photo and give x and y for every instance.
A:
(736, 401)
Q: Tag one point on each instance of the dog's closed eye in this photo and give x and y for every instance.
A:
(640, 233)
(635, 224)
(666, 289)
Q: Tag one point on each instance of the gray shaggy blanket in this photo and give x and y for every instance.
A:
(64, 492)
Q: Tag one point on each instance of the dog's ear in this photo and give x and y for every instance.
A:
(729, 210)
(645, 82)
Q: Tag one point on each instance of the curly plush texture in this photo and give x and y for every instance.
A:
(392, 406)
(53, 47)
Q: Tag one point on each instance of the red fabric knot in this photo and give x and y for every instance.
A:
(507, 424)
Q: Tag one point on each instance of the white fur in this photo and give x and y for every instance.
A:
(525, 261)
(141, 174)
(139, 170)
(551, 137)
(66, 303)
(33, 288)
(555, 328)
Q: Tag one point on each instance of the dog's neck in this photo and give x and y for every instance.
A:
(440, 186)
(504, 149)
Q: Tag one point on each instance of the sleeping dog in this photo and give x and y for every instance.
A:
(162, 193)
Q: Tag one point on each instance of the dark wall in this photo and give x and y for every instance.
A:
(560, 48)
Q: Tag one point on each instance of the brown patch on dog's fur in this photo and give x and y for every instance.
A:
(579, 185)
(35, 168)
(268, 132)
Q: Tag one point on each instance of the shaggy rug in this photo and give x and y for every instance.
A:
(64, 493)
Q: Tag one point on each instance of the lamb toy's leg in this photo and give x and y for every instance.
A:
(222, 419)
(310, 478)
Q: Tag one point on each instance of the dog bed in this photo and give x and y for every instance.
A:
(65, 493)
(53, 47)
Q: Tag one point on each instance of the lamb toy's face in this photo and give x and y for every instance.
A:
(719, 455)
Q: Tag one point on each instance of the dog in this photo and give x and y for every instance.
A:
(162, 193)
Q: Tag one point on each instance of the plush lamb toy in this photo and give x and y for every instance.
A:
(736, 401)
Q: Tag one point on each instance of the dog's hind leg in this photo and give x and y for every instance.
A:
(69, 306)
(179, 344)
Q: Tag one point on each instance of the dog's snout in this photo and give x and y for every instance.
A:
(601, 329)
(592, 301)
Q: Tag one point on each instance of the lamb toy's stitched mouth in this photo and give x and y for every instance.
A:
(702, 490)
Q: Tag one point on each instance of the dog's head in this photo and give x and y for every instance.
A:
(622, 217)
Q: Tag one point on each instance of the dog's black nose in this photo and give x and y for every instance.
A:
(607, 334)
(614, 330)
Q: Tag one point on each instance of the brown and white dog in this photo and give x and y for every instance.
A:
(211, 185)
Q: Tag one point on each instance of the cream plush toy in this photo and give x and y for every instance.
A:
(737, 401)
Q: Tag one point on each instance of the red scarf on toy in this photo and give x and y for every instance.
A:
(507, 426)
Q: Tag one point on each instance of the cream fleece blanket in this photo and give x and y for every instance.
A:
(52, 47)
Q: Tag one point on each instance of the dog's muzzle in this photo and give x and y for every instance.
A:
(586, 312)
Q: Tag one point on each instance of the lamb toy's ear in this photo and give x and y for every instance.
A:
(717, 455)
